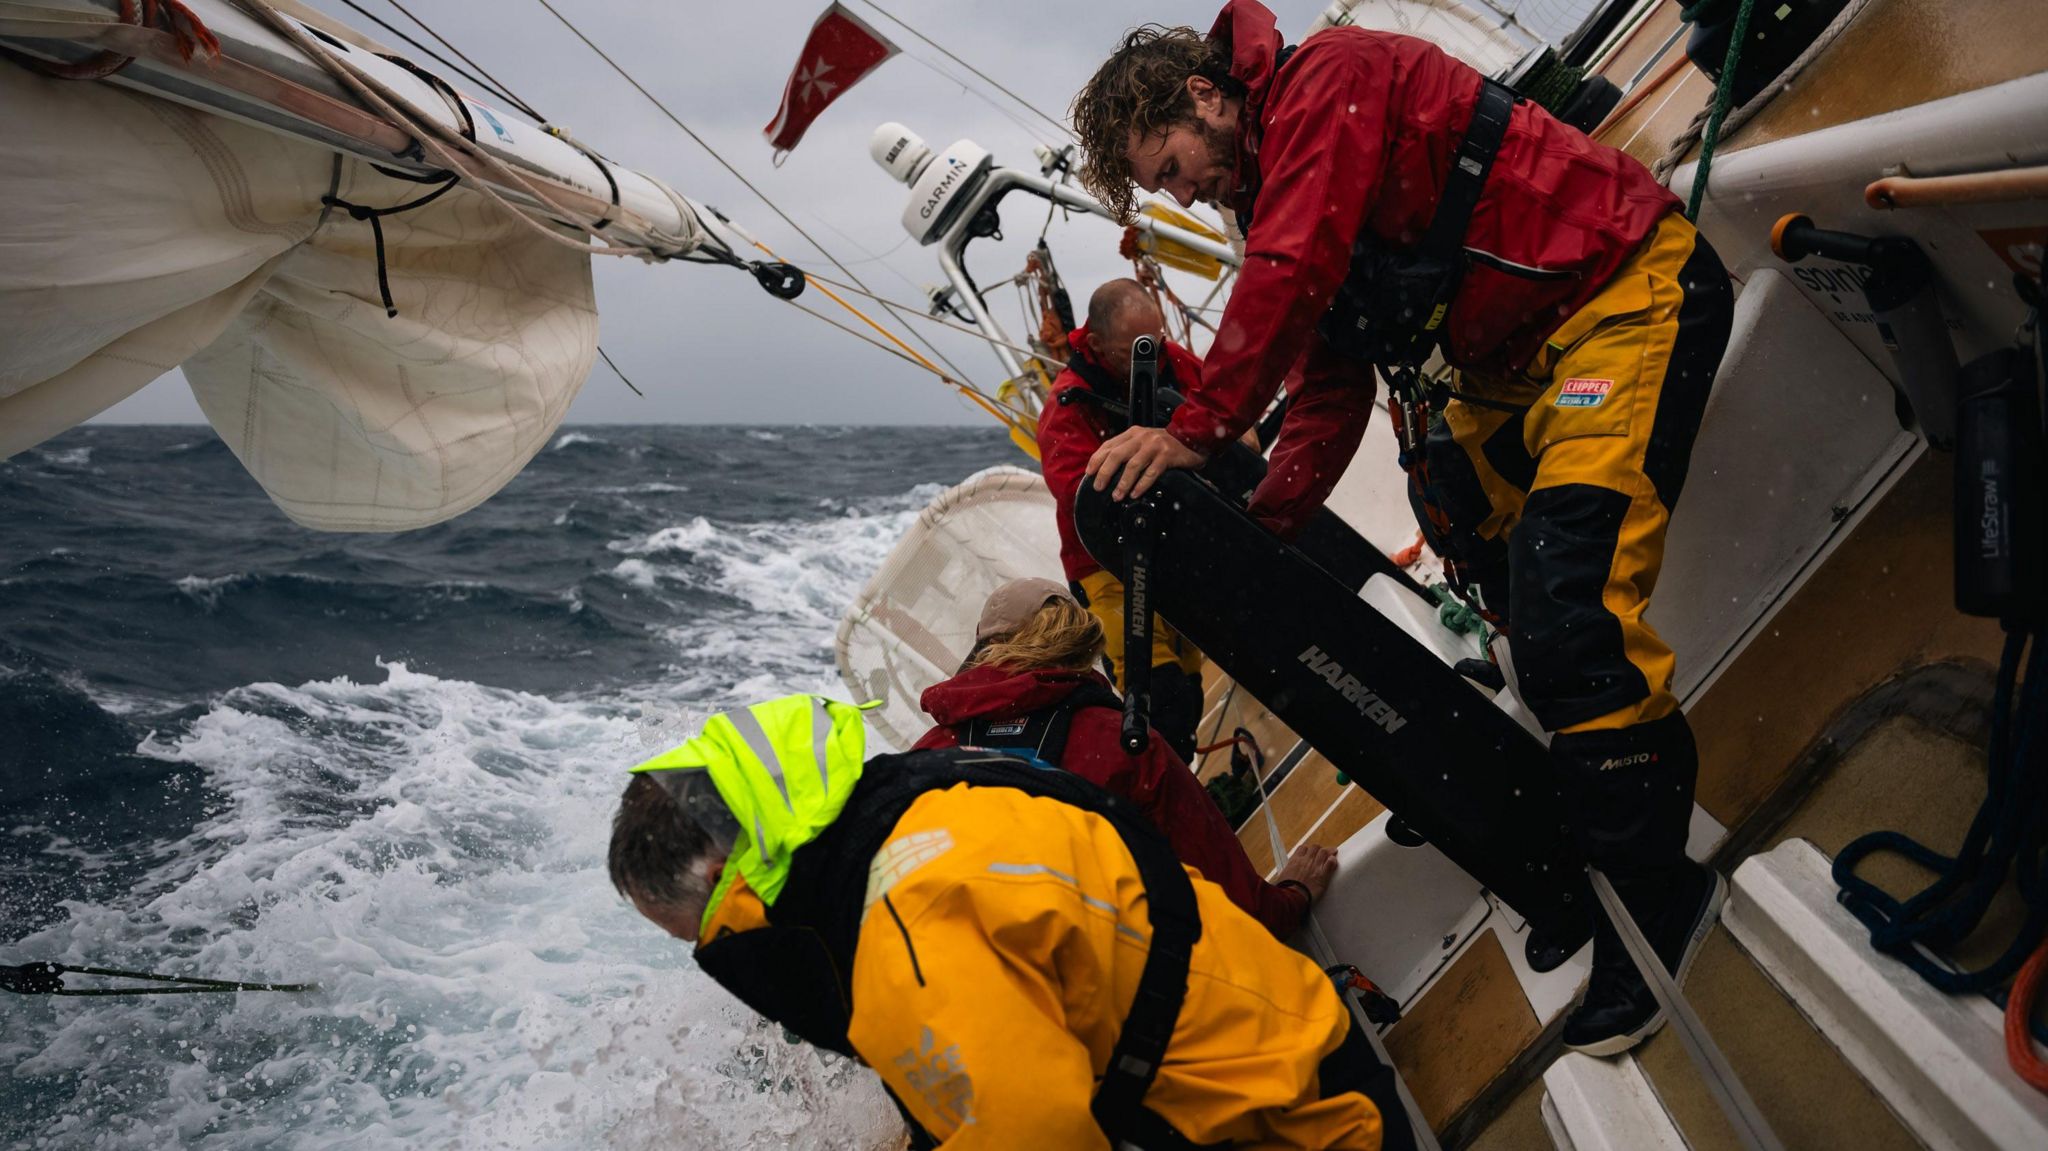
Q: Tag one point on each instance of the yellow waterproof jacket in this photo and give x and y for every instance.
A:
(998, 954)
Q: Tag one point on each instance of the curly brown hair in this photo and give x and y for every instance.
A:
(1141, 89)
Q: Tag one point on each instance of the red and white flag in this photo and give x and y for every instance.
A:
(842, 49)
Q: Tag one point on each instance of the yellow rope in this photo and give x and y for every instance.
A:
(907, 351)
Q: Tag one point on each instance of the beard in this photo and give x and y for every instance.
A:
(1221, 144)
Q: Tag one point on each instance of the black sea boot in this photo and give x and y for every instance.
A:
(1630, 792)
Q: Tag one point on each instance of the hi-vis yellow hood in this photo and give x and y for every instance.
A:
(784, 769)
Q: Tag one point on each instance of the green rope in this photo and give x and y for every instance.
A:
(1722, 91)
(1454, 613)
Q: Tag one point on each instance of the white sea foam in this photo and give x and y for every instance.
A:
(67, 457)
(571, 439)
(207, 590)
(431, 852)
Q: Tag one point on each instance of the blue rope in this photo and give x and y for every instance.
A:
(2008, 834)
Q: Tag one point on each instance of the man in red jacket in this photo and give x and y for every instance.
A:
(1073, 425)
(1586, 318)
(1007, 698)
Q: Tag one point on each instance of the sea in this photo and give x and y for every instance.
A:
(234, 748)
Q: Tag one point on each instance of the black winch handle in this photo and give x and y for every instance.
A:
(1141, 536)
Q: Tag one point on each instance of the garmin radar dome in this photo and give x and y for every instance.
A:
(940, 185)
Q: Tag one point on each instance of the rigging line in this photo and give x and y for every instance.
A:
(977, 333)
(868, 256)
(825, 286)
(464, 56)
(443, 146)
(615, 371)
(1023, 125)
(986, 403)
(971, 68)
(735, 172)
(497, 90)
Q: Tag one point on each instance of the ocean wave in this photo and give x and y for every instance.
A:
(431, 852)
(66, 457)
(571, 439)
(207, 590)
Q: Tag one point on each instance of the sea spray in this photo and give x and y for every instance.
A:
(415, 832)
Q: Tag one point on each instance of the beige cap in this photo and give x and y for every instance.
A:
(1010, 606)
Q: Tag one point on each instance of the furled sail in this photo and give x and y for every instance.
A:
(147, 230)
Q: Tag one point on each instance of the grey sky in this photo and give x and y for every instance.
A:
(706, 344)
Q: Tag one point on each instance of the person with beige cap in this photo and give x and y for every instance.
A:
(1030, 688)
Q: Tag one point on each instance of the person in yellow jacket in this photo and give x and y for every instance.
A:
(1015, 952)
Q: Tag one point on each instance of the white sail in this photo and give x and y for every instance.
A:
(183, 214)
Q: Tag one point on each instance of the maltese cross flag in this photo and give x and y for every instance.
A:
(842, 49)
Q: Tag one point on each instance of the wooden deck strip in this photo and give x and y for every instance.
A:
(1347, 818)
(1242, 709)
(1305, 796)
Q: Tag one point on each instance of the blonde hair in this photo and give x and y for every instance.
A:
(1061, 634)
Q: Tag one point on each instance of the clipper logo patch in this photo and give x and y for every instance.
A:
(1581, 393)
(1007, 728)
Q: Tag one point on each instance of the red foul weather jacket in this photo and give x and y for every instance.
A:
(1069, 433)
(1353, 139)
(1157, 781)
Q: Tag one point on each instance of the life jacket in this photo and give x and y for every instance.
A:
(1038, 735)
(798, 969)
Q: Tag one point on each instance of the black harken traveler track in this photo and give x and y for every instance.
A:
(1377, 704)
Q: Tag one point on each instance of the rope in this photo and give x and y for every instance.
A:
(446, 148)
(1682, 144)
(495, 89)
(985, 77)
(615, 371)
(786, 218)
(1722, 93)
(192, 35)
(376, 218)
(2019, 1014)
(981, 399)
(912, 313)
(48, 979)
(501, 88)
(2008, 833)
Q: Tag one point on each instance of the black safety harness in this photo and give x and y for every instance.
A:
(1041, 734)
(1391, 309)
(798, 969)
